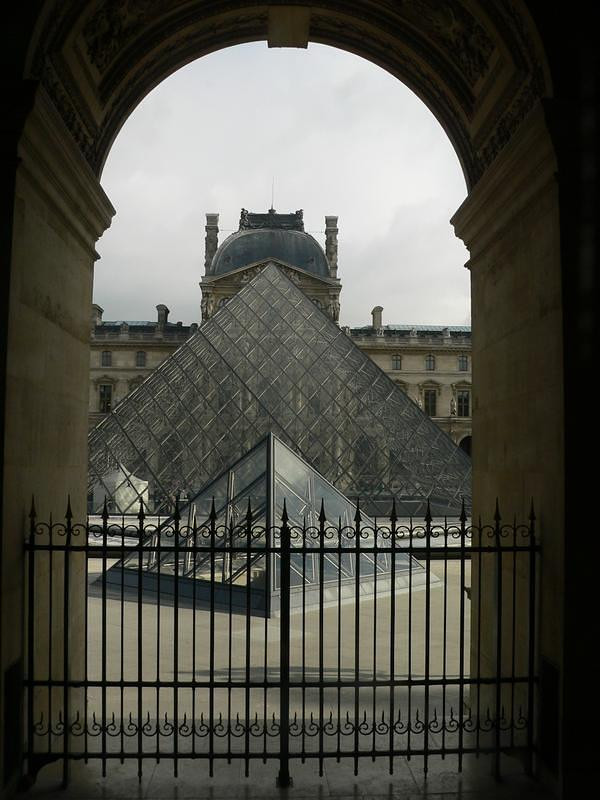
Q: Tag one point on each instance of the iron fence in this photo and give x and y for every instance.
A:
(154, 639)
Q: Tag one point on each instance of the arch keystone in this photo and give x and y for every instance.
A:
(288, 26)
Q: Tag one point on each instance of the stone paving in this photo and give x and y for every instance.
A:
(338, 781)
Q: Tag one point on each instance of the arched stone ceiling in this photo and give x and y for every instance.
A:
(477, 65)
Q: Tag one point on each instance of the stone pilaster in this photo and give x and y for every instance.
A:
(211, 241)
(331, 244)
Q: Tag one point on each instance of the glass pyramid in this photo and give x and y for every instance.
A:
(206, 555)
(271, 362)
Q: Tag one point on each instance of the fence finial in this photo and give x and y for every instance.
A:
(393, 515)
(497, 516)
(141, 515)
(213, 512)
(32, 511)
(463, 512)
(249, 514)
(428, 516)
(105, 511)
(322, 515)
(284, 514)
(532, 516)
(357, 516)
(69, 512)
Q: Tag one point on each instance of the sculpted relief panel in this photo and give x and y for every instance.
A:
(453, 54)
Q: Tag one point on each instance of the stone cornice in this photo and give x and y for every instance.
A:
(511, 184)
(54, 165)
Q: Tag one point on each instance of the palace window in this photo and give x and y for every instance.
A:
(396, 362)
(140, 358)
(430, 363)
(106, 358)
(430, 401)
(463, 363)
(105, 394)
(463, 402)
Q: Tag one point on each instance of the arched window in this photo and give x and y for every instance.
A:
(463, 363)
(396, 361)
(465, 444)
(140, 358)
(106, 358)
(430, 363)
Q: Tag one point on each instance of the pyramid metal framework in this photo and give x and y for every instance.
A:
(213, 549)
(270, 361)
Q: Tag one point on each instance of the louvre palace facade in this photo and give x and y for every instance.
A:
(431, 363)
(270, 359)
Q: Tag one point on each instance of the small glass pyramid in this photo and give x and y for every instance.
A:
(199, 555)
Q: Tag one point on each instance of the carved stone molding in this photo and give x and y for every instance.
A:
(250, 273)
(452, 28)
(444, 51)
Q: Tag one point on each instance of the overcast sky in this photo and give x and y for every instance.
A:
(338, 135)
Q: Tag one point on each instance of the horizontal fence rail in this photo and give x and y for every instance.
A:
(152, 639)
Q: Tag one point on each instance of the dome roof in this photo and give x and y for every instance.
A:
(293, 247)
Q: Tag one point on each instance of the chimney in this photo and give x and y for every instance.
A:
(211, 241)
(376, 314)
(163, 315)
(97, 312)
(331, 246)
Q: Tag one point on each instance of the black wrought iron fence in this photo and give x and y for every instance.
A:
(151, 639)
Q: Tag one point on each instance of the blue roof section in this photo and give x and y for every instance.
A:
(138, 323)
(419, 328)
(291, 247)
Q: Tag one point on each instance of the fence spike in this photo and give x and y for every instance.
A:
(357, 516)
(141, 515)
(532, 512)
(68, 513)
(284, 514)
(32, 511)
(176, 513)
(105, 511)
(497, 516)
(428, 516)
(393, 515)
(322, 516)
(249, 513)
(213, 512)
(463, 512)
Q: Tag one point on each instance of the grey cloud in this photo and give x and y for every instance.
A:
(340, 136)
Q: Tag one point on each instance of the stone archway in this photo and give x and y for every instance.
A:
(479, 67)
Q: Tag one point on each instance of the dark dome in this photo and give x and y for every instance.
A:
(296, 248)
